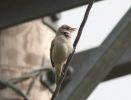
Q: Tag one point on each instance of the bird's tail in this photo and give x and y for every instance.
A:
(58, 72)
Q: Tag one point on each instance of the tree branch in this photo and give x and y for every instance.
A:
(25, 77)
(58, 87)
(14, 88)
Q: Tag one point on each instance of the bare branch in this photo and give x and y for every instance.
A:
(34, 74)
(32, 83)
(25, 77)
(14, 88)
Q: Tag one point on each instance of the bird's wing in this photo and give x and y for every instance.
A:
(52, 45)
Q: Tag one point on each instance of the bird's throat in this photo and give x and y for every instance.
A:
(66, 34)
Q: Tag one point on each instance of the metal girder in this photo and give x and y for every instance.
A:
(119, 70)
(98, 65)
(122, 67)
(17, 11)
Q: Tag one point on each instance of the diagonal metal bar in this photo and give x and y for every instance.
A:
(122, 67)
(119, 70)
(17, 11)
(100, 63)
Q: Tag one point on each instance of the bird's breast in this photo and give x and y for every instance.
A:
(61, 51)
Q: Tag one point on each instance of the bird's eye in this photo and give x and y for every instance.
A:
(68, 28)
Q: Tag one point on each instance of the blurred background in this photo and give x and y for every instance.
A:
(101, 66)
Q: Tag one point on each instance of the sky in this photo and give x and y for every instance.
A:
(103, 17)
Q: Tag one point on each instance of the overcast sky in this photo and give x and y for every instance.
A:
(103, 17)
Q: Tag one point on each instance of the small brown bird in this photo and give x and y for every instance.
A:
(61, 48)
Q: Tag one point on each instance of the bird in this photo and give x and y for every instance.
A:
(61, 48)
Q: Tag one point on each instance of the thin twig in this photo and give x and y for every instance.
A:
(25, 77)
(32, 84)
(10, 83)
(14, 88)
(45, 84)
(28, 76)
(71, 55)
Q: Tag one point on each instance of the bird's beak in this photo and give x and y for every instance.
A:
(73, 29)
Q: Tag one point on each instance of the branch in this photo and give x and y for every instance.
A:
(11, 82)
(58, 87)
(32, 83)
(25, 77)
(14, 88)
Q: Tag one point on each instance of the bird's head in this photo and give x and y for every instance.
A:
(66, 30)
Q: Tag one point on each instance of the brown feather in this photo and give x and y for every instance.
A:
(52, 45)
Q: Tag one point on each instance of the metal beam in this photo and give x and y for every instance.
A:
(122, 67)
(100, 63)
(119, 70)
(17, 11)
